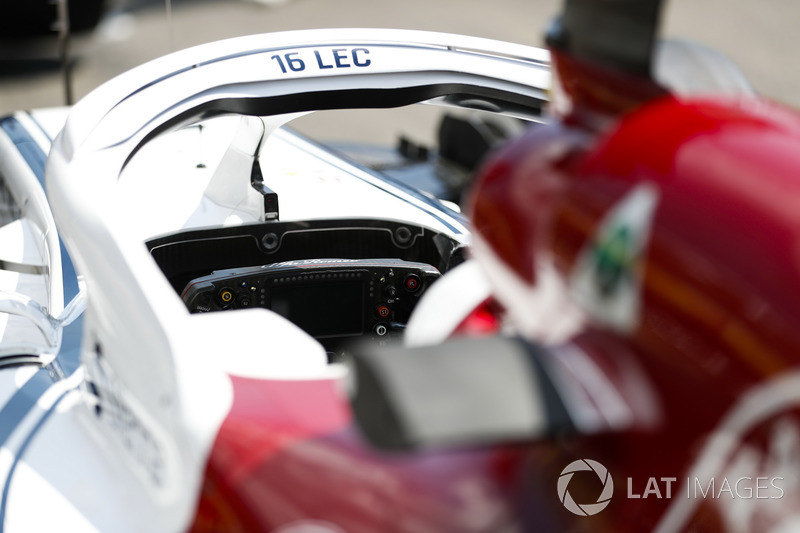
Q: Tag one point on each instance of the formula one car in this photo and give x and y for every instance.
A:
(183, 276)
(203, 309)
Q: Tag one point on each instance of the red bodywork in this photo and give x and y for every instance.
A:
(288, 454)
(718, 334)
(717, 344)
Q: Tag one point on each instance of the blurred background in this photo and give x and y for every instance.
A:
(759, 36)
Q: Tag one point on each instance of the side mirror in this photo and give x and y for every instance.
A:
(461, 392)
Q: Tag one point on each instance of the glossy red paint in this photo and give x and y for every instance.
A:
(483, 320)
(592, 94)
(719, 326)
(288, 453)
(267, 417)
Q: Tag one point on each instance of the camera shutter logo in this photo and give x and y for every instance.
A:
(586, 509)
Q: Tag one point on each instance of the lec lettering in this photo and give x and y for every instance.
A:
(331, 58)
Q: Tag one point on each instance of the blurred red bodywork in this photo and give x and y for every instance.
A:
(719, 328)
(718, 336)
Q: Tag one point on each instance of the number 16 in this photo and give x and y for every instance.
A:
(295, 63)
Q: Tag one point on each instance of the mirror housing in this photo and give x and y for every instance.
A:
(462, 392)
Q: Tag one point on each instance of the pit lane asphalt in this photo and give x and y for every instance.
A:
(759, 36)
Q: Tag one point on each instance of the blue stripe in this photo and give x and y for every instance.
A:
(69, 355)
(31, 152)
(21, 452)
(35, 157)
(24, 400)
(68, 274)
(21, 403)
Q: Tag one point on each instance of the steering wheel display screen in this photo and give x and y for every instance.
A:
(331, 299)
(322, 310)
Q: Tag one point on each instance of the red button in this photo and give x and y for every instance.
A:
(383, 311)
(412, 282)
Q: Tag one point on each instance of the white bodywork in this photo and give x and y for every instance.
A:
(123, 171)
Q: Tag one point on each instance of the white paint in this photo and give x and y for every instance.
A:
(447, 303)
(761, 403)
